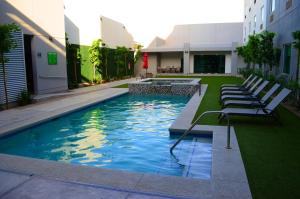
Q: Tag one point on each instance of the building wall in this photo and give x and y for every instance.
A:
(252, 9)
(188, 40)
(201, 34)
(36, 18)
(114, 33)
(84, 32)
(171, 59)
(285, 21)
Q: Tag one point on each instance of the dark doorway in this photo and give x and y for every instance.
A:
(209, 64)
(28, 63)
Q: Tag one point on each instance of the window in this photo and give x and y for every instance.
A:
(288, 4)
(262, 12)
(254, 24)
(287, 58)
(272, 6)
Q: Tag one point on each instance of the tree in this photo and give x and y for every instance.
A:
(254, 50)
(121, 59)
(95, 57)
(137, 52)
(7, 43)
(267, 50)
(296, 44)
(243, 51)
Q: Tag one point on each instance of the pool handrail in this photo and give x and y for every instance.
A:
(195, 123)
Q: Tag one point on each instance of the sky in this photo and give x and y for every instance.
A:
(146, 19)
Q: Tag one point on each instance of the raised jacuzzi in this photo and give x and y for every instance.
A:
(166, 86)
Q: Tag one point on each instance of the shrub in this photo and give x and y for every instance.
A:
(246, 72)
(24, 98)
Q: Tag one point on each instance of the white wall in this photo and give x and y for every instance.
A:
(191, 63)
(171, 59)
(201, 34)
(84, 30)
(152, 65)
(36, 18)
(114, 34)
(255, 10)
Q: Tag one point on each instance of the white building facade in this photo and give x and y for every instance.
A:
(41, 46)
(82, 32)
(255, 17)
(196, 48)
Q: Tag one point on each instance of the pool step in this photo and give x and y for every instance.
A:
(197, 164)
(193, 160)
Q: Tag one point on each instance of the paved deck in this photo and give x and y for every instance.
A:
(22, 177)
(82, 90)
(15, 185)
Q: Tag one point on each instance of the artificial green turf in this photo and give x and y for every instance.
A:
(121, 86)
(270, 150)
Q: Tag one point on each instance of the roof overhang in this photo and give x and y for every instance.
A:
(193, 48)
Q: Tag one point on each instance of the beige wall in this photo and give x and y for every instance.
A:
(202, 34)
(171, 59)
(152, 63)
(36, 18)
(83, 32)
(114, 34)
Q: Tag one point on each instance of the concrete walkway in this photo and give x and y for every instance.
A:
(83, 90)
(15, 185)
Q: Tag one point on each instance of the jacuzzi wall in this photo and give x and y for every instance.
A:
(147, 87)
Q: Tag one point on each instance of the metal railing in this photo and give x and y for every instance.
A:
(195, 123)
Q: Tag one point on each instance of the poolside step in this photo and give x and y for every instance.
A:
(198, 164)
(194, 157)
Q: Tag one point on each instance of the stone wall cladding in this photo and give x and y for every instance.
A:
(147, 87)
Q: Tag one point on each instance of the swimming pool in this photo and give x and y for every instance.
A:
(129, 132)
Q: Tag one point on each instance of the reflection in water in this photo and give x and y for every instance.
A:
(129, 132)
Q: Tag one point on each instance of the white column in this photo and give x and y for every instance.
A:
(227, 63)
(186, 58)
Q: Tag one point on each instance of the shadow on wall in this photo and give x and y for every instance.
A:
(12, 14)
(50, 79)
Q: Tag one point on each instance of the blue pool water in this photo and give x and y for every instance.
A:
(129, 132)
